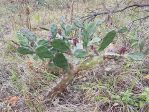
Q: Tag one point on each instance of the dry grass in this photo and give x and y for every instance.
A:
(91, 92)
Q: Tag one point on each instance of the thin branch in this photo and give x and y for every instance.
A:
(135, 5)
(15, 43)
(93, 15)
(143, 18)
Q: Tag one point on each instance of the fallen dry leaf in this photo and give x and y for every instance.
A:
(146, 77)
(12, 100)
(30, 64)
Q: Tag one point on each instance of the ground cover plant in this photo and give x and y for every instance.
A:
(74, 56)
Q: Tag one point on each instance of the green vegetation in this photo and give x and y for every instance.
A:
(74, 55)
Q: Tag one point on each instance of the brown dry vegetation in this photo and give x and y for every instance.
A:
(24, 82)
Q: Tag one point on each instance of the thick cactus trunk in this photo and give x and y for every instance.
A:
(61, 86)
(70, 75)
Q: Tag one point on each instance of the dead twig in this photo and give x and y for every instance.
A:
(139, 19)
(94, 15)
